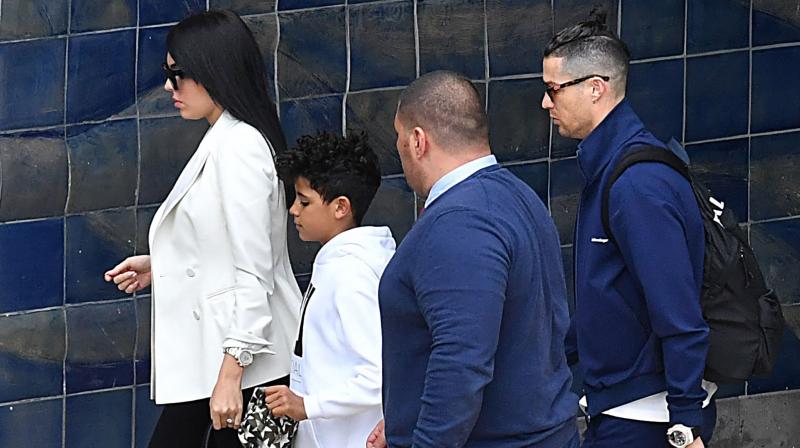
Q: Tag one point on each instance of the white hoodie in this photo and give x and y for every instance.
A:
(338, 372)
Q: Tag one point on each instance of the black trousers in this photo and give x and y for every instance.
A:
(188, 425)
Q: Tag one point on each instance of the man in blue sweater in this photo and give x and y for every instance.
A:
(473, 304)
(638, 330)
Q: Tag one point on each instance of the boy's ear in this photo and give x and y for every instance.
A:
(343, 207)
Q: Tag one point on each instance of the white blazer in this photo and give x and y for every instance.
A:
(220, 264)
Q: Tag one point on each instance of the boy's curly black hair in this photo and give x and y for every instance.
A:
(334, 166)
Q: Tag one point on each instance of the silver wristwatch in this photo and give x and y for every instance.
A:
(243, 356)
(681, 436)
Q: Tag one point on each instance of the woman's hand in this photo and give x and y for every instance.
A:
(226, 400)
(283, 402)
(132, 275)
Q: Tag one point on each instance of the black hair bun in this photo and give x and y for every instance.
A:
(597, 19)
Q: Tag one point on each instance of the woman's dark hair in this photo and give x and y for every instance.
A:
(334, 166)
(216, 49)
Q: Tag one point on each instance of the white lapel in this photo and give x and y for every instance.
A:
(190, 172)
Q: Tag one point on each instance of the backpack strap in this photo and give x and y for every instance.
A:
(643, 154)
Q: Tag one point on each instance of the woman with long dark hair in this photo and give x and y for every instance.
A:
(224, 306)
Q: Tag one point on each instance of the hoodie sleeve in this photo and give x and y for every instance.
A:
(649, 223)
(356, 302)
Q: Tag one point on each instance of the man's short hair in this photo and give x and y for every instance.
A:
(334, 166)
(590, 48)
(447, 106)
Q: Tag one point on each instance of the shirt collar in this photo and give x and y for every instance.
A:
(458, 175)
(600, 146)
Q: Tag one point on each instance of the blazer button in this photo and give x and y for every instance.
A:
(196, 314)
(189, 273)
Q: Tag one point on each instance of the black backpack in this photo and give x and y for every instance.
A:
(744, 316)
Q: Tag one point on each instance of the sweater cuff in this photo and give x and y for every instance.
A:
(692, 418)
(313, 409)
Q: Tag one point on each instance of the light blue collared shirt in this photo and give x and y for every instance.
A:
(457, 176)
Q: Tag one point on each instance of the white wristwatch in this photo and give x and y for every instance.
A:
(243, 356)
(681, 436)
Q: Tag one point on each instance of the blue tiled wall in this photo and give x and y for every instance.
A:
(90, 145)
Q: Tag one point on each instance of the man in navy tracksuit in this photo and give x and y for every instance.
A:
(638, 330)
(473, 304)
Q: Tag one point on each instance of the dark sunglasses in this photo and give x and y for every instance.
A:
(172, 74)
(551, 89)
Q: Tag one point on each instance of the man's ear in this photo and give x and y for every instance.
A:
(343, 207)
(599, 89)
(421, 142)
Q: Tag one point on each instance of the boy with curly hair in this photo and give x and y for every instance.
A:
(335, 389)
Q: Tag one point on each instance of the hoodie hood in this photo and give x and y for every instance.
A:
(372, 245)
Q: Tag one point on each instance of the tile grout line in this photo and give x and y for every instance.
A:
(417, 66)
(549, 158)
(348, 56)
(486, 64)
(315, 97)
(275, 60)
(739, 136)
(674, 57)
(102, 391)
(417, 72)
(550, 170)
(319, 8)
(685, 66)
(102, 210)
(68, 306)
(774, 220)
(716, 140)
(8, 132)
(749, 152)
(749, 128)
(370, 90)
(25, 401)
(66, 205)
(749, 132)
(535, 161)
(136, 210)
(774, 46)
(127, 298)
(516, 77)
(80, 213)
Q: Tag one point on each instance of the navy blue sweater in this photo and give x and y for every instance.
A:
(474, 316)
(638, 321)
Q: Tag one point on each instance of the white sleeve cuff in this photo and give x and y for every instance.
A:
(313, 410)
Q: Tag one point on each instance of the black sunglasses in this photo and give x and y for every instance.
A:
(551, 89)
(172, 74)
